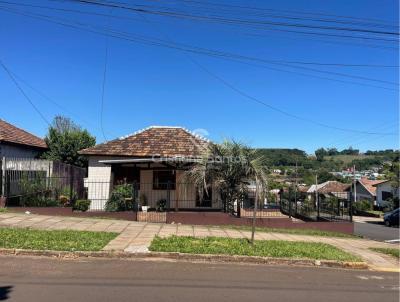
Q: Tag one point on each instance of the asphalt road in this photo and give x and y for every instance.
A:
(45, 280)
(376, 231)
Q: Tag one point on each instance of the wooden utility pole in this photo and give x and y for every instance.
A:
(316, 195)
(295, 191)
(355, 183)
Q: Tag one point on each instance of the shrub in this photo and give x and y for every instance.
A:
(118, 199)
(143, 200)
(363, 206)
(82, 205)
(161, 205)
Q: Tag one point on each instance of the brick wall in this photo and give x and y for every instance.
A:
(152, 217)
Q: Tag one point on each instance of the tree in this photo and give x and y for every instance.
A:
(320, 153)
(65, 139)
(230, 167)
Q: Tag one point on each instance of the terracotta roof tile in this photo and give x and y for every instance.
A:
(370, 184)
(11, 134)
(331, 186)
(153, 141)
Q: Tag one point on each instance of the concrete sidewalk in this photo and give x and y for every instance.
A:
(136, 236)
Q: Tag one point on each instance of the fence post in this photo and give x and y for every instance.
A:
(318, 207)
(351, 208)
(3, 177)
(134, 196)
(168, 194)
(290, 204)
(71, 184)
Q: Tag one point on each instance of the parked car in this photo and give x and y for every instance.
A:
(391, 218)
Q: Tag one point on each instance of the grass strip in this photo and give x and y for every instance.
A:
(265, 248)
(388, 251)
(57, 240)
(310, 232)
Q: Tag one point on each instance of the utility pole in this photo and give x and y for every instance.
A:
(295, 191)
(355, 183)
(316, 194)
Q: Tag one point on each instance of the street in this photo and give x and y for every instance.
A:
(376, 231)
(45, 280)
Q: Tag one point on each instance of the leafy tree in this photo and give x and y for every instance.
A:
(320, 154)
(332, 151)
(230, 167)
(65, 139)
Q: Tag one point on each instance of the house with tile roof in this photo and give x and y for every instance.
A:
(365, 189)
(154, 160)
(18, 143)
(386, 190)
(330, 188)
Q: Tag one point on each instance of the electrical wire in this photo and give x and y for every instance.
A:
(197, 50)
(23, 93)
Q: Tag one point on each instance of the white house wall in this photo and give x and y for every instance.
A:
(99, 183)
(100, 179)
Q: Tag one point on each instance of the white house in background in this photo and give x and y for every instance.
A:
(18, 143)
(384, 191)
(366, 189)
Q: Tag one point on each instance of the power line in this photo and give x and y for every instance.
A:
(234, 21)
(280, 10)
(247, 96)
(23, 93)
(197, 50)
(103, 89)
(282, 111)
(336, 64)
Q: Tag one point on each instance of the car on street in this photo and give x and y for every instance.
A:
(391, 218)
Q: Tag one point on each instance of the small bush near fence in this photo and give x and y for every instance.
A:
(363, 206)
(120, 199)
(82, 205)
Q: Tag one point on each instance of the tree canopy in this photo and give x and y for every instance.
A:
(64, 139)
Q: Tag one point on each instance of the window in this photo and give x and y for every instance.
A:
(164, 179)
(386, 195)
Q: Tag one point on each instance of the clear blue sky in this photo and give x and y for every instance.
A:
(149, 85)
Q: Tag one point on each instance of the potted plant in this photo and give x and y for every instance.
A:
(161, 205)
(144, 202)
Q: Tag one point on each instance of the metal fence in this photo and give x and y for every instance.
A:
(36, 182)
(322, 208)
(105, 195)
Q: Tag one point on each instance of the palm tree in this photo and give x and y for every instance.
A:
(230, 167)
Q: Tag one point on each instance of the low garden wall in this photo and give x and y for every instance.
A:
(264, 213)
(160, 217)
(219, 218)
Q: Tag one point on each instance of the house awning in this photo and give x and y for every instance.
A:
(184, 160)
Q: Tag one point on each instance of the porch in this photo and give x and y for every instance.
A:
(156, 184)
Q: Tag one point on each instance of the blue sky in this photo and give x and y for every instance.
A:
(149, 85)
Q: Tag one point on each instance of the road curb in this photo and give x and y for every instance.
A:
(186, 257)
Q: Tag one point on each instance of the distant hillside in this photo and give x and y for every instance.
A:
(284, 157)
(288, 157)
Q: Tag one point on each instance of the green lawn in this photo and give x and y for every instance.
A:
(54, 240)
(388, 251)
(310, 232)
(270, 248)
(3, 210)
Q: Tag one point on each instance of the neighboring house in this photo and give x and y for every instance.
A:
(155, 159)
(365, 189)
(385, 191)
(331, 188)
(18, 143)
